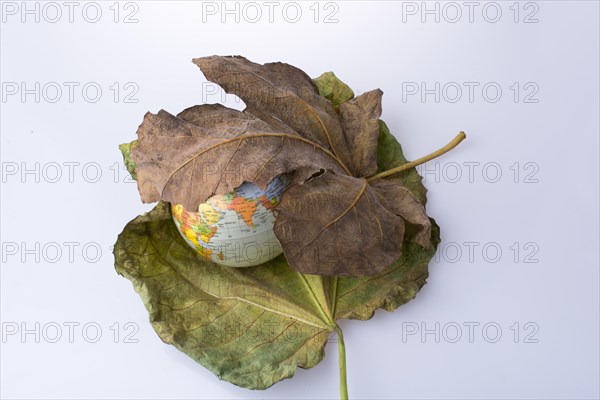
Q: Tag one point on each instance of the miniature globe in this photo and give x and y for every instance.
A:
(234, 229)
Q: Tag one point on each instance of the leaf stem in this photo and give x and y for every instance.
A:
(459, 138)
(342, 354)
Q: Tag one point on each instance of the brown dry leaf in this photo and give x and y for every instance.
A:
(332, 224)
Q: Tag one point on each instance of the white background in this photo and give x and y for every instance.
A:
(549, 208)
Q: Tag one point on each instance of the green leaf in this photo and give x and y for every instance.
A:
(126, 152)
(330, 87)
(252, 326)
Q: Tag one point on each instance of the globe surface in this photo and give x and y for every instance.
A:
(234, 229)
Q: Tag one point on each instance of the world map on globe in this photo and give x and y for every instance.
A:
(234, 229)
